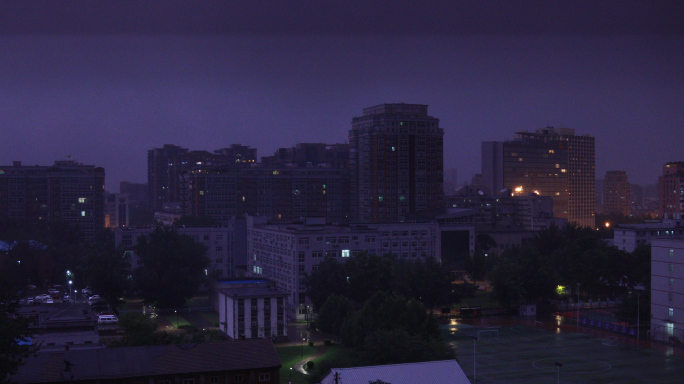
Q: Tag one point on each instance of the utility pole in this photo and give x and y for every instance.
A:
(578, 293)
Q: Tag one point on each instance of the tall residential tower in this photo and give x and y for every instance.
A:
(396, 159)
(549, 162)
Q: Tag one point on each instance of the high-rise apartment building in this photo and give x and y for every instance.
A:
(616, 193)
(166, 165)
(66, 191)
(549, 162)
(284, 193)
(671, 189)
(396, 160)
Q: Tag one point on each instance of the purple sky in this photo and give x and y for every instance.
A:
(106, 85)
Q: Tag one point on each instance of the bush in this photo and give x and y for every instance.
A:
(311, 343)
(309, 365)
(327, 342)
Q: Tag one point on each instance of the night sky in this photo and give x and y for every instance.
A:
(105, 82)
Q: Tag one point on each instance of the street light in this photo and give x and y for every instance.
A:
(176, 312)
(474, 359)
(70, 286)
(559, 365)
(290, 375)
(638, 313)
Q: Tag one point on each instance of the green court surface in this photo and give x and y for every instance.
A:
(520, 354)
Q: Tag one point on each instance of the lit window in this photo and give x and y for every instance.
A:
(82, 213)
(202, 193)
(671, 282)
(345, 253)
(670, 312)
(81, 200)
(671, 253)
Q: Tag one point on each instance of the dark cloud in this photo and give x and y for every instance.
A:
(347, 17)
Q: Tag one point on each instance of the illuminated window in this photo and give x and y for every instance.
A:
(81, 200)
(202, 193)
(551, 151)
(82, 213)
(670, 282)
(671, 253)
(670, 312)
(345, 253)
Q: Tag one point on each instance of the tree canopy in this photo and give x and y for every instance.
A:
(565, 257)
(363, 275)
(172, 270)
(107, 269)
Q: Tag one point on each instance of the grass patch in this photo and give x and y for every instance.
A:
(176, 320)
(289, 355)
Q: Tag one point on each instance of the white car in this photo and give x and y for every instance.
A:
(41, 298)
(53, 290)
(86, 291)
(94, 298)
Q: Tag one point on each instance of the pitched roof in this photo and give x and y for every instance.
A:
(434, 372)
(111, 363)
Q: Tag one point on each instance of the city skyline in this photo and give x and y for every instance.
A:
(105, 97)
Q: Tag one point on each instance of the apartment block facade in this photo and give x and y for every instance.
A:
(671, 189)
(617, 193)
(65, 191)
(549, 162)
(396, 158)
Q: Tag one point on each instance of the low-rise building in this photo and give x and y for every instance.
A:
(667, 289)
(218, 240)
(244, 361)
(284, 253)
(434, 372)
(629, 236)
(250, 308)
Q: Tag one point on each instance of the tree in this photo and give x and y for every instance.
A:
(332, 314)
(172, 267)
(13, 332)
(107, 268)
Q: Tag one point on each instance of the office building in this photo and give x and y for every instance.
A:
(66, 191)
(550, 162)
(396, 159)
(617, 193)
(671, 189)
(238, 154)
(627, 237)
(284, 253)
(667, 289)
(116, 210)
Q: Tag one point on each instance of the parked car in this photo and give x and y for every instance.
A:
(52, 291)
(66, 298)
(29, 300)
(93, 298)
(49, 301)
(107, 319)
(31, 286)
(87, 291)
(43, 297)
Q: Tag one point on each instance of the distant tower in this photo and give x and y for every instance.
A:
(616, 193)
(163, 171)
(396, 158)
(550, 162)
(671, 189)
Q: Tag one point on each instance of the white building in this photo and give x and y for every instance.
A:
(434, 372)
(218, 240)
(250, 308)
(285, 252)
(629, 236)
(667, 289)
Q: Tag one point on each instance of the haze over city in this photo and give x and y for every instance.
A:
(104, 85)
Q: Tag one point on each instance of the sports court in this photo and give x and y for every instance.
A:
(521, 353)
